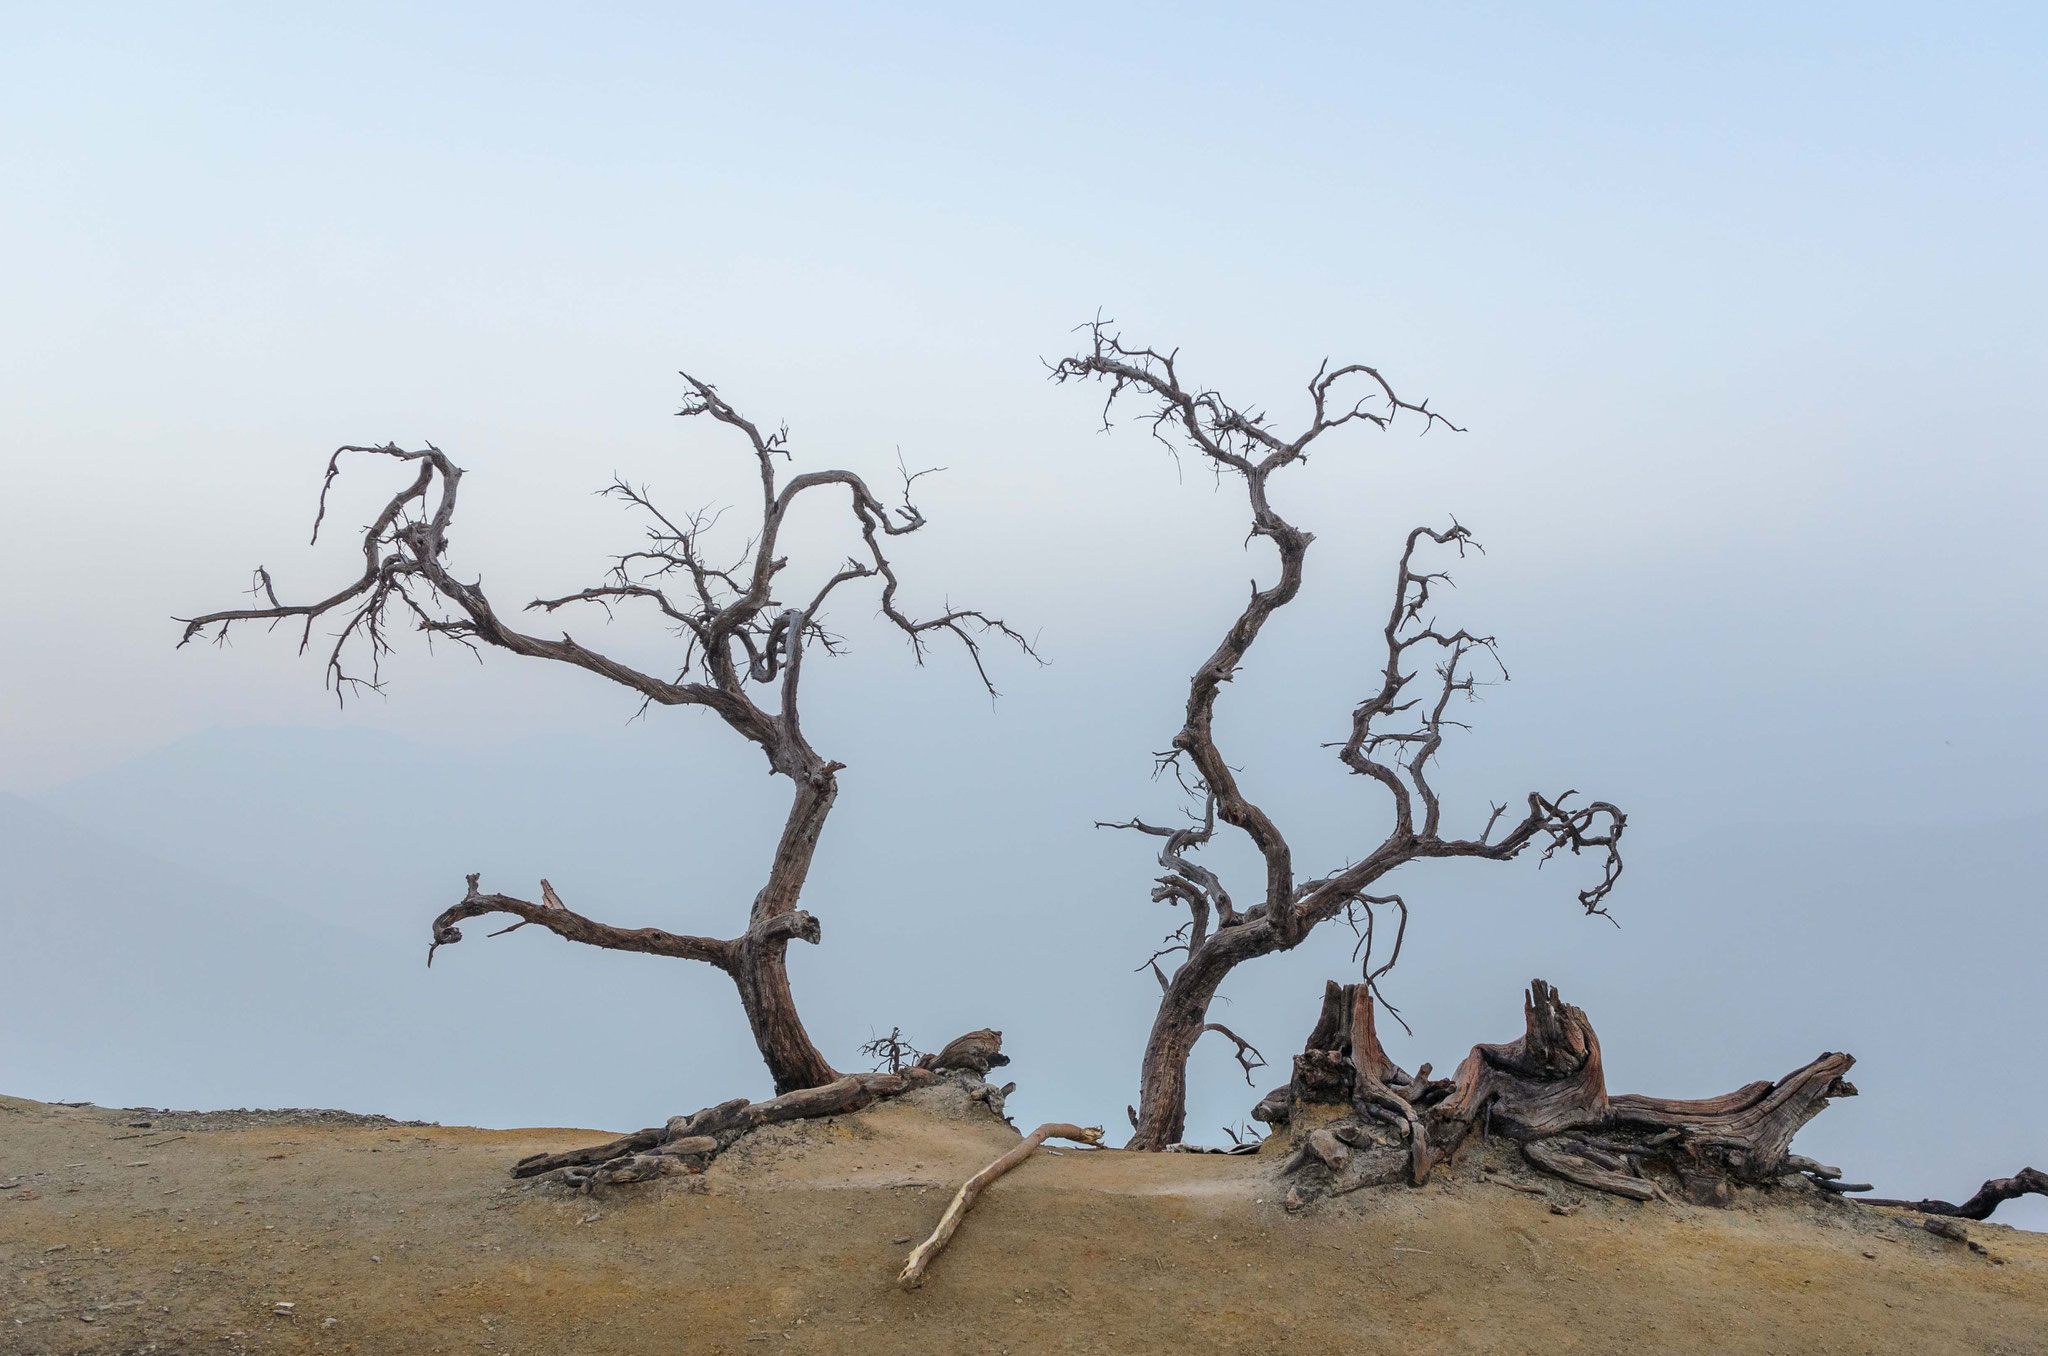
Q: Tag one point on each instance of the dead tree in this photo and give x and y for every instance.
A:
(1545, 1091)
(743, 652)
(1394, 732)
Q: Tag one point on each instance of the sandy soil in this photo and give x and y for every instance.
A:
(184, 1235)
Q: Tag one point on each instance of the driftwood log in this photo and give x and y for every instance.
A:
(970, 1190)
(1547, 1092)
(688, 1143)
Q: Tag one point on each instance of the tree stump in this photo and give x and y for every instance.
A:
(1547, 1092)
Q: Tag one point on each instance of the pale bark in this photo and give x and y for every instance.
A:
(970, 1191)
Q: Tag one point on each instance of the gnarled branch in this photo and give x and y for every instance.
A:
(563, 922)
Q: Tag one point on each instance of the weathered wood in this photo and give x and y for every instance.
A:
(1374, 1077)
(1575, 1168)
(533, 1165)
(1332, 1030)
(1753, 1138)
(963, 1200)
(712, 1120)
(977, 1050)
(1548, 1081)
(1368, 1056)
(1994, 1193)
(702, 1135)
(1547, 1091)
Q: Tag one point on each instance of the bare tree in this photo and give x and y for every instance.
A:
(743, 653)
(1394, 733)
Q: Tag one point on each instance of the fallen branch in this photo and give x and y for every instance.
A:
(963, 1200)
(1988, 1197)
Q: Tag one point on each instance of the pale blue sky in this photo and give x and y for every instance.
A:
(1743, 306)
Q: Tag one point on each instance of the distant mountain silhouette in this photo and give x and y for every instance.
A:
(137, 981)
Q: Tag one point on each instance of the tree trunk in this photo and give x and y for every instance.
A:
(760, 964)
(761, 973)
(1162, 1109)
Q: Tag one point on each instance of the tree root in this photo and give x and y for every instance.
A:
(963, 1199)
(687, 1144)
(1579, 1168)
(1547, 1092)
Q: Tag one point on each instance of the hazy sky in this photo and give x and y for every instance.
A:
(1742, 306)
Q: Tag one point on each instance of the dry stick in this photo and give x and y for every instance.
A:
(963, 1200)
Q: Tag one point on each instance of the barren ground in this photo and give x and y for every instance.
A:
(183, 1235)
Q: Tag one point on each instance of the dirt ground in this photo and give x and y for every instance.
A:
(185, 1234)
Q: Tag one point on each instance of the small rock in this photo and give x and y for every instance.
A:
(904, 1239)
(329, 1322)
(1868, 1253)
(1557, 1208)
(284, 1308)
(1944, 1227)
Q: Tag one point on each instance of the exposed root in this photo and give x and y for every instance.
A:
(687, 1144)
(1371, 1071)
(1547, 1091)
(963, 1199)
(1579, 1168)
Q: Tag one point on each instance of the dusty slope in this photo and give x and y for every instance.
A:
(412, 1239)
